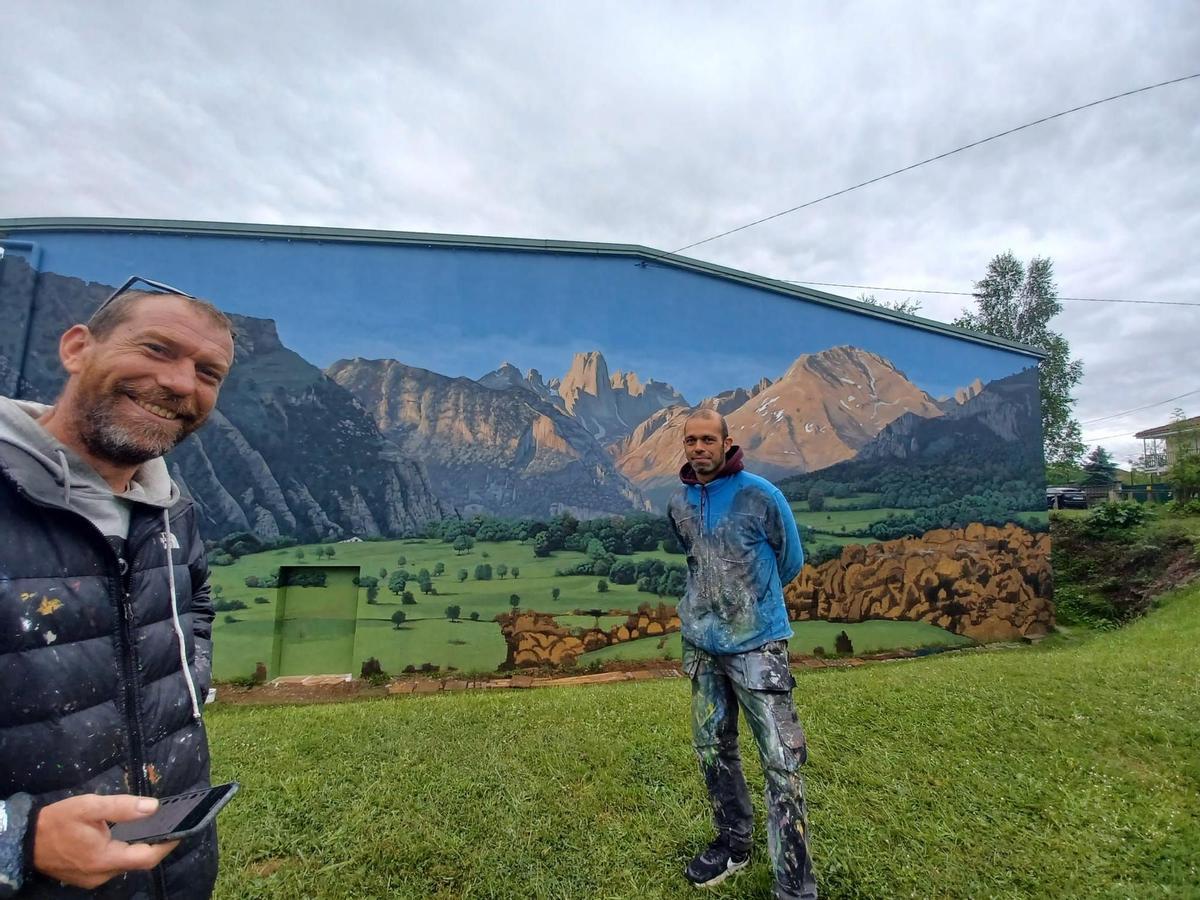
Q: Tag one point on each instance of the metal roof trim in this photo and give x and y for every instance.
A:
(647, 254)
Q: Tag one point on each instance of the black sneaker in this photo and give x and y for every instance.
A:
(714, 864)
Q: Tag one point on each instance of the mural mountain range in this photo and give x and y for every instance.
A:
(378, 447)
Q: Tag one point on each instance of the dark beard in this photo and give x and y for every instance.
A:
(109, 436)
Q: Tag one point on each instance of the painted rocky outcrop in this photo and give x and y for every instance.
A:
(983, 582)
(610, 407)
(536, 639)
(1005, 410)
(494, 450)
(825, 408)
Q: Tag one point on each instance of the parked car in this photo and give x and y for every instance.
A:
(1065, 498)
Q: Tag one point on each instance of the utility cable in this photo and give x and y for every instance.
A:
(1138, 408)
(1109, 437)
(917, 165)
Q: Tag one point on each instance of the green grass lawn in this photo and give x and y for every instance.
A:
(1070, 769)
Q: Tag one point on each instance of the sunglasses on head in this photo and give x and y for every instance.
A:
(157, 287)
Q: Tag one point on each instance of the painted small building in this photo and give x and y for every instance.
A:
(498, 422)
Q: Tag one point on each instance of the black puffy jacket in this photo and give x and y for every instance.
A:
(93, 697)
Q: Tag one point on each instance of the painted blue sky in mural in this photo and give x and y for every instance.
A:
(463, 311)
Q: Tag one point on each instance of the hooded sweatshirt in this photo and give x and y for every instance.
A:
(83, 489)
(742, 546)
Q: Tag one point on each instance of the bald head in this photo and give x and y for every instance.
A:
(710, 416)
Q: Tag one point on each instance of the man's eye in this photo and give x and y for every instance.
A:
(155, 348)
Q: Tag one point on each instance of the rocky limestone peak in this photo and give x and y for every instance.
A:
(727, 401)
(835, 361)
(963, 394)
(499, 449)
(506, 376)
(629, 383)
(588, 375)
(254, 336)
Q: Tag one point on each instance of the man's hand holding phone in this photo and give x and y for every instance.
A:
(73, 843)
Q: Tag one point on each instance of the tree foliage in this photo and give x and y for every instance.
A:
(908, 305)
(1099, 468)
(1017, 303)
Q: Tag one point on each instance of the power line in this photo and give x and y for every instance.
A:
(917, 165)
(1109, 437)
(875, 287)
(1139, 408)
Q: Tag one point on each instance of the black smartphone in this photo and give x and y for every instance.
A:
(177, 817)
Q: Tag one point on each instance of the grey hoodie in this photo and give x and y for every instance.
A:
(83, 490)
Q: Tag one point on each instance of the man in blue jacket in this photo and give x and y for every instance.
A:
(742, 546)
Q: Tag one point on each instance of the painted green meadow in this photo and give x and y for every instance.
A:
(471, 642)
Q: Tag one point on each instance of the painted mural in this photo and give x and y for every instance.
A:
(490, 436)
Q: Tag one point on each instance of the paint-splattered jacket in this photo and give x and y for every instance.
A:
(742, 546)
(94, 698)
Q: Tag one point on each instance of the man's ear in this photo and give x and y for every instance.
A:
(73, 348)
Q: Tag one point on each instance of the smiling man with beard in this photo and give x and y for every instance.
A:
(105, 614)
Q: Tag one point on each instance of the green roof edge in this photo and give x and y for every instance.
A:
(359, 235)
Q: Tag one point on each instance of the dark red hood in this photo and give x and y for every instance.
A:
(733, 465)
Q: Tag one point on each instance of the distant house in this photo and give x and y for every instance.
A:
(1161, 445)
(353, 540)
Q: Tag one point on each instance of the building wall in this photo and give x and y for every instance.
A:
(400, 391)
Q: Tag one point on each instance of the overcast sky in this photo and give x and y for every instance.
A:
(659, 124)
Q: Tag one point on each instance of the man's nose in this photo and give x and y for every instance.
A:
(178, 377)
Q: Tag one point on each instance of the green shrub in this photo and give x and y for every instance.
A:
(1075, 606)
(372, 672)
(1108, 518)
(1182, 508)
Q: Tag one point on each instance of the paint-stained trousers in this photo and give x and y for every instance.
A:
(761, 684)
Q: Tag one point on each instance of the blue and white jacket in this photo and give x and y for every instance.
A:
(742, 547)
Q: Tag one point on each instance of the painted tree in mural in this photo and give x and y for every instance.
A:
(1017, 303)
